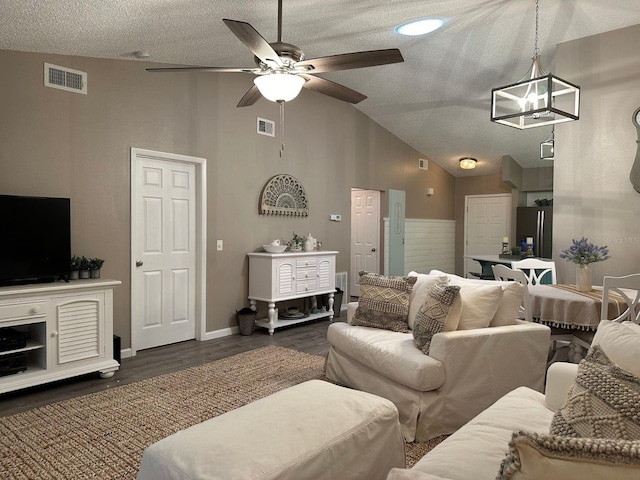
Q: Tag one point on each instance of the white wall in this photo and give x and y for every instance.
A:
(593, 196)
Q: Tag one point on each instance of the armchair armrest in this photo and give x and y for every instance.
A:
(560, 377)
(494, 359)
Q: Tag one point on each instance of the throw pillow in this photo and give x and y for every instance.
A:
(434, 314)
(536, 456)
(419, 292)
(603, 402)
(383, 302)
(621, 343)
(479, 305)
(509, 306)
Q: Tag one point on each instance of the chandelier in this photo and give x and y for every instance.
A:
(539, 98)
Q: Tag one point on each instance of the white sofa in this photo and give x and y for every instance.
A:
(477, 450)
(464, 373)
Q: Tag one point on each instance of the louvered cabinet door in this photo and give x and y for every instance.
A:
(79, 329)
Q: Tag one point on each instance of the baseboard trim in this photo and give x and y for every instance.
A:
(224, 332)
(125, 353)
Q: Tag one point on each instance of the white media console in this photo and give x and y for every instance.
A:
(69, 328)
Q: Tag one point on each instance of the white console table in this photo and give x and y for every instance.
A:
(276, 277)
(69, 327)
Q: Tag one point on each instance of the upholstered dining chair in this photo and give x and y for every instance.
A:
(506, 274)
(537, 271)
(622, 286)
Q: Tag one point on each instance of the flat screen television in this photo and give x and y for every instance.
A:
(35, 241)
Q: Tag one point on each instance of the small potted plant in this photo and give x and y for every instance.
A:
(84, 265)
(96, 265)
(74, 266)
(296, 243)
(583, 253)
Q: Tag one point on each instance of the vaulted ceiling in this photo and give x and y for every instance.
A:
(437, 101)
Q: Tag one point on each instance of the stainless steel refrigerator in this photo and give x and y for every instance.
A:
(536, 222)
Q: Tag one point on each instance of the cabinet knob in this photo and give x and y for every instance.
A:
(54, 334)
(293, 278)
(35, 309)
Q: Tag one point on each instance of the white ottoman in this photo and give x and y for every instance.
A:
(315, 430)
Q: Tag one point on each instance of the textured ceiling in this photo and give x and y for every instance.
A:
(437, 101)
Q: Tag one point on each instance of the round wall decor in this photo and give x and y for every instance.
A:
(284, 195)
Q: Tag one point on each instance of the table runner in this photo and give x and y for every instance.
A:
(563, 306)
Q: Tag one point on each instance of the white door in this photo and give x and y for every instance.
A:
(365, 235)
(487, 221)
(163, 249)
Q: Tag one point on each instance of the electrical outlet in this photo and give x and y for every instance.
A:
(219, 245)
(335, 217)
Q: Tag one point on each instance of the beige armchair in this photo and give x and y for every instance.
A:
(464, 373)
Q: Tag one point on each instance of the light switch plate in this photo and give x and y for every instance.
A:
(219, 245)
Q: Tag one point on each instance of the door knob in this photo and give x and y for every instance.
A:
(139, 263)
(373, 249)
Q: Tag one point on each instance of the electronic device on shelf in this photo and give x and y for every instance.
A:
(35, 244)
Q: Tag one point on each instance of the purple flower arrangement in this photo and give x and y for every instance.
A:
(583, 253)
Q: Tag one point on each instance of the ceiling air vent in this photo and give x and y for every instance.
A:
(65, 78)
(266, 127)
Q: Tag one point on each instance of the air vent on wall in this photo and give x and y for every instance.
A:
(423, 164)
(266, 127)
(65, 78)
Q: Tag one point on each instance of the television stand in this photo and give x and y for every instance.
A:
(69, 328)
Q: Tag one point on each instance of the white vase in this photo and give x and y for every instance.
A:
(583, 278)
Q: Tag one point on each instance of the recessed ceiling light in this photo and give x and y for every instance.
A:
(420, 27)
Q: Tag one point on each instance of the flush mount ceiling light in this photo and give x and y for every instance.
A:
(537, 99)
(279, 86)
(420, 27)
(468, 163)
(546, 147)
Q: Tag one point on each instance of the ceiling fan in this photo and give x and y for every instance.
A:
(282, 70)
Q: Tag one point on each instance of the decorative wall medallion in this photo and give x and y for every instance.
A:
(284, 195)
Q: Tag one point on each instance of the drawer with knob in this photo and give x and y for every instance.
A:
(10, 312)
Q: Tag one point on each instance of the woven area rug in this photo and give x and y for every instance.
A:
(103, 435)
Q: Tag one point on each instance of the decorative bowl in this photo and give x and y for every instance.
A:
(274, 248)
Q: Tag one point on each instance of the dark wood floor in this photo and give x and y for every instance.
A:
(310, 337)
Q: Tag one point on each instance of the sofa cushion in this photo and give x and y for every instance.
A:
(537, 456)
(479, 305)
(391, 354)
(603, 402)
(621, 343)
(383, 302)
(419, 292)
(476, 450)
(437, 314)
(508, 307)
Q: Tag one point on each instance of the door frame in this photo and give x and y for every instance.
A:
(466, 219)
(354, 274)
(201, 234)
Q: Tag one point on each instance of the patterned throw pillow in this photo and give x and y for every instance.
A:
(536, 456)
(383, 302)
(604, 401)
(434, 313)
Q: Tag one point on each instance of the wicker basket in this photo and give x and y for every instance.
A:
(246, 321)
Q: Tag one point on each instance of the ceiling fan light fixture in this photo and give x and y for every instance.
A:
(279, 86)
(468, 163)
(420, 27)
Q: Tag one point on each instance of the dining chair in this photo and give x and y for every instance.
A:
(537, 271)
(622, 286)
(506, 274)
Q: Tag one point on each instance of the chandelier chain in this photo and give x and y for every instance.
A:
(536, 50)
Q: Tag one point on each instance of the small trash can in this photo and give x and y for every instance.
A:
(246, 321)
(337, 302)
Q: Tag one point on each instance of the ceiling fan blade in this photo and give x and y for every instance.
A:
(332, 89)
(249, 98)
(205, 69)
(348, 61)
(254, 41)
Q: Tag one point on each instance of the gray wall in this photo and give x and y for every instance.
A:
(56, 143)
(592, 193)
